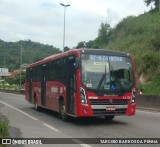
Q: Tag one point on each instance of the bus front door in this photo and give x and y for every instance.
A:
(43, 86)
(30, 85)
(71, 79)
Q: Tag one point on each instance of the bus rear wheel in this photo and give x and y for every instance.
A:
(63, 114)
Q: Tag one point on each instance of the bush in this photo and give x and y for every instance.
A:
(152, 88)
(9, 87)
(16, 78)
(3, 127)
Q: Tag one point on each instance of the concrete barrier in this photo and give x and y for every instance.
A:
(148, 102)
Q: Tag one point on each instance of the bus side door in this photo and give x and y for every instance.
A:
(71, 79)
(30, 84)
(43, 85)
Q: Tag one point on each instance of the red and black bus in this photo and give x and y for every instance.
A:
(83, 83)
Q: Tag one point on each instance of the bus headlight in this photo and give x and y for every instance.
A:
(83, 96)
(133, 96)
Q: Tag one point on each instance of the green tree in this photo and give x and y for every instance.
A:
(66, 48)
(16, 79)
(148, 2)
(81, 44)
(103, 31)
(102, 38)
(90, 44)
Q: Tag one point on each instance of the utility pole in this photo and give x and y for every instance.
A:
(64, 23)
(4, 67)
(20, 82)
(4, 62)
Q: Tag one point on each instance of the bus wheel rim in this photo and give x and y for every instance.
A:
(63, 110)
(36, 105)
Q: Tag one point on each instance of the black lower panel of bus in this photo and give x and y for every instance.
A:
(97, 112)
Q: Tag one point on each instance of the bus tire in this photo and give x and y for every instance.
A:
(109, 118)
(63, 114)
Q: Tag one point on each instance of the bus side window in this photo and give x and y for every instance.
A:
(58, 71)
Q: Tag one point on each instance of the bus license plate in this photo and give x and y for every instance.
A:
(110, 108)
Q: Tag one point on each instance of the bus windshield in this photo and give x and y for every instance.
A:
(101, 72)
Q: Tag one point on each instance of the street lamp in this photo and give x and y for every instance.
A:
(20, 67)
(64, 23)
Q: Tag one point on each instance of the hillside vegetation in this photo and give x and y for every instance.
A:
(139, 36)
(10, 53)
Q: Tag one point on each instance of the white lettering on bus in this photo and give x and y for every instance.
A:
(54, 89)
(61, 89)
(92, 97)
(126, 97)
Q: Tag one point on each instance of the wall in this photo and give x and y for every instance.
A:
(149, 102)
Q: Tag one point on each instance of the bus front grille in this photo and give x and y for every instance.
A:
(108, 102)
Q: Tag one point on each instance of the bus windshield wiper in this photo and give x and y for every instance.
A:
(102, 79)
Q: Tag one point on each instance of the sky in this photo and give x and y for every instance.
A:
(43, 20)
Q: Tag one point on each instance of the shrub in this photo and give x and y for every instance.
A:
(3, 127)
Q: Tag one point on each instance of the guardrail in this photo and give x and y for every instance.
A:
(148, 102)
(11, 89)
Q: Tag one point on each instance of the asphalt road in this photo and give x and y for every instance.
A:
(26, 122)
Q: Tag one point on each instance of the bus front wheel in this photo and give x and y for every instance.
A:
(63, 114)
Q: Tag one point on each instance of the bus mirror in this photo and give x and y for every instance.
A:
(78, 63)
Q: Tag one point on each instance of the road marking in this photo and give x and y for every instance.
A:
(148, 111)
(19, 110)
(20, 96)
(81, 143)
(50, 127)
